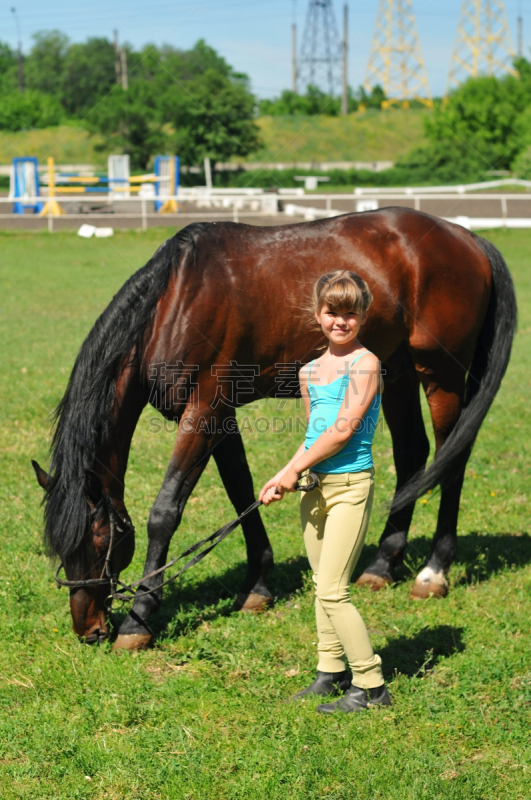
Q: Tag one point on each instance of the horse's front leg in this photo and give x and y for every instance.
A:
(232, 465)
(196, 438)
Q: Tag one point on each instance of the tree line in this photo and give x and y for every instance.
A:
(192, 102)
(483, 127)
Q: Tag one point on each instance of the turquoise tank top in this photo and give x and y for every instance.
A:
(325, 402)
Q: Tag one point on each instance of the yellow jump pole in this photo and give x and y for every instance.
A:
(52, 207)
(170, 206)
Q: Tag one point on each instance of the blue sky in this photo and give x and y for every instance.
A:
(254, 35)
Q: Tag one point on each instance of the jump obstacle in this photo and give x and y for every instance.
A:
(163, 183)
(25, 185)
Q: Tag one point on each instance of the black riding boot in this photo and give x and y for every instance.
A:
(356, 699)
(326, 683)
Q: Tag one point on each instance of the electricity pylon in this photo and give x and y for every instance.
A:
(483, 43)
(321, 53)
(395, 62)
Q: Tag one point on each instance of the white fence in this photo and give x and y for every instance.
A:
(457, 189)
(291, 204)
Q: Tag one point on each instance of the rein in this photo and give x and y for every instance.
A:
(128, 590)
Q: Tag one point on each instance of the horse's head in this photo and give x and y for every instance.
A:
(107, 548)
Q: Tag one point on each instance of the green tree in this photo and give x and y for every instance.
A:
(31, 109)
(130, 121)
(212, 116)
(290, 103)
(441, 162)
(313, 102)
(8, 69)
(481, 116)
(372, 100)
(44, 67)
(168, 66)
(88, 75)
(190, 101)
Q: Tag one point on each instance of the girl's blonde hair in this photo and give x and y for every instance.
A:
(342, 290)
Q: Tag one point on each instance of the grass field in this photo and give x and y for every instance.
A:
(67, 144)
(371, 136)
(203, 715)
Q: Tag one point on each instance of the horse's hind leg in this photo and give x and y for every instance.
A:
(232, 465)
(403, 414)
(445, 407)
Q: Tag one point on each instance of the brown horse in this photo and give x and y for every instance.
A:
(225, 299)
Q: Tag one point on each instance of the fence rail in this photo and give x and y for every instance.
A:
(473, 211)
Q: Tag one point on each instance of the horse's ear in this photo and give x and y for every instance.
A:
(93, 487)
(42, 476)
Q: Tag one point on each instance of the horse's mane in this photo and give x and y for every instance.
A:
(83, 416)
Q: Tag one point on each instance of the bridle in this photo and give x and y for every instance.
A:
(119, 524)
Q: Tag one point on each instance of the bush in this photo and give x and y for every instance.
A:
(31, 109)
(315, 101)
(480, 120)
(522, 164)
(445, 162)
(419, 173)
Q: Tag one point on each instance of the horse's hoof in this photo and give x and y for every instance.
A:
(429, 583)
(97, 636)
(373, 582)
(422, 590)
(252, 603)
(132, 641)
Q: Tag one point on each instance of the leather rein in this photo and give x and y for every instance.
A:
(127, 591)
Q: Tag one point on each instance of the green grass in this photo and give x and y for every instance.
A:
(68, 144)
(368, 136)
(204, 715)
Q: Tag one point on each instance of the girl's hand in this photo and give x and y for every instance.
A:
(288, 481)
(271, 496)
(269, 493)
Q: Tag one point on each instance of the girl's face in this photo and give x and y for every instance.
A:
(339, 327)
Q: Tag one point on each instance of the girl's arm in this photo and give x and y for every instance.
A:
(362, 387)
(268, 493)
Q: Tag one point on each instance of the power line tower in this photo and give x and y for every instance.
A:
(321, 53)
(483, 43)
(395, 61)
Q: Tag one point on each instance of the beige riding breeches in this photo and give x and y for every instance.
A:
(335, 518)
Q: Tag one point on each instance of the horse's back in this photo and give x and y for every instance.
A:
(430, 279)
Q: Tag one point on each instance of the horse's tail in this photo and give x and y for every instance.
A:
(491, 357)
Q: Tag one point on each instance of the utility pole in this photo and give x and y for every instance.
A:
(520, 31)
(294, 70)
(125, 83)
(320, 57)
(344, 96)
(117, 59)
(395, 61)
(483, 43)
(294, 56)
(20, 68)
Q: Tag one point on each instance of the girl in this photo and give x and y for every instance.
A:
(341, 392)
